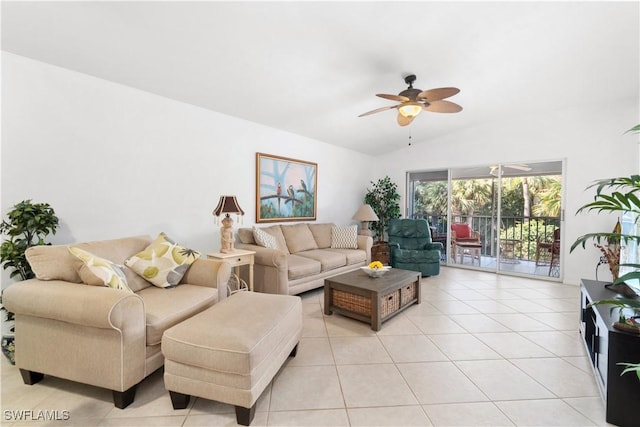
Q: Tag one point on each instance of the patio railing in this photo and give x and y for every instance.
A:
(519, 235)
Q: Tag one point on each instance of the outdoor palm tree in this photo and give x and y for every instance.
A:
(549, 198)
(432, 197)
(469, 196)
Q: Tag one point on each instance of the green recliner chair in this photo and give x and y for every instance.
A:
(411, 246)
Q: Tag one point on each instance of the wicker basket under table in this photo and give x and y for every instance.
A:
(371, 300)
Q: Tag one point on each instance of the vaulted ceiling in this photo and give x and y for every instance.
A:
(312, 67)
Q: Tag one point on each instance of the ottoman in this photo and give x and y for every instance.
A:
(231, 351)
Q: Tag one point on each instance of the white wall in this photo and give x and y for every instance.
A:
(115, 161)
(589, 139)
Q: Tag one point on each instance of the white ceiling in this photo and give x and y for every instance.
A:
(312, 67)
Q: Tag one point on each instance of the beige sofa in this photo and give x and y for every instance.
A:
(95, 334)
(303, 258)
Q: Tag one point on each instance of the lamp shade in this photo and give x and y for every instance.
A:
(365, 213)
(227, 205)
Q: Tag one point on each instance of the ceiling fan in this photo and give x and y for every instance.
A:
(413, 101)
(494, 169)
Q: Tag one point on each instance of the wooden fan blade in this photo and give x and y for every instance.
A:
(377, 110)
(442, 107)
(398, 98)
(438, 94)
(403, 121)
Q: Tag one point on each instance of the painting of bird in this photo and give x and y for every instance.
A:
(285, 189)
(279, 194)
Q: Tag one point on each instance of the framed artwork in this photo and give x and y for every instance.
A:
(286, 189)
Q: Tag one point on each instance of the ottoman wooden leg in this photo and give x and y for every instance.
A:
(179, 400)
(244, 416)
(122, 399)
(294, 351)
(30, 377)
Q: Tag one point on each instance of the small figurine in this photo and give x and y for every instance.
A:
(226, 232)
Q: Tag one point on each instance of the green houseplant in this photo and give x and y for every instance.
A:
(617, 195)
(383, 198)
(26, 225)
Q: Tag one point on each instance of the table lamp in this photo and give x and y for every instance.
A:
(365, 214)
(227, 205)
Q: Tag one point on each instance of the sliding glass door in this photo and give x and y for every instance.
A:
(511, 213)
(430, 200)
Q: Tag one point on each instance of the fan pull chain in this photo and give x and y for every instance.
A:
(409, 137)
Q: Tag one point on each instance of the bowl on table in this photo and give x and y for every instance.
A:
(375, 272)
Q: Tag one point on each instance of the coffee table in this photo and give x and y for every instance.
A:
(371, 300)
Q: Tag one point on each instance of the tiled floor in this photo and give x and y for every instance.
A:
(480, 349)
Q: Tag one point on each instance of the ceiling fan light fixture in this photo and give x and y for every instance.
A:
(410, 109)
(412, 100)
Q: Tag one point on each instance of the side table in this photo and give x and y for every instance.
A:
(381, 252)
(237, 258)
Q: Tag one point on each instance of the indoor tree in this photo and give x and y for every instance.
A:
(384, 199)
(27, 225)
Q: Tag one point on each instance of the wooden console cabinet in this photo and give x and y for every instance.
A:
(607, 347)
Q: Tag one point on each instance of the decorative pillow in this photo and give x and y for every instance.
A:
(344, 237)
(163, 262)
(98, 271)
(281, 242)
(265, 239)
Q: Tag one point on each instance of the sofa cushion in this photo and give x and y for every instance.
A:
(167, 307)
(354, 256)
(298, 237)
(327, 258)
(54, 263)
(322, 234)
(300, 266)
(57, 263)
(98, 271)
(118, 250)
(410, 256)
(344, 237)
(264, 239)
(163, 262)
(246, 236)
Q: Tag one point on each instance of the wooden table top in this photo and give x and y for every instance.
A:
(392, 279)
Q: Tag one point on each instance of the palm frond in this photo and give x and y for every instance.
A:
(630, 367)
(636, 128)
(604, 238)
(619, 303)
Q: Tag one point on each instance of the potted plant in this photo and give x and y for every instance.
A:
(8, 336)
(27, 225)
(618, 195)
(383, 198)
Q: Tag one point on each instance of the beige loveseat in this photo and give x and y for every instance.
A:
(303, 257)
(96, 334)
